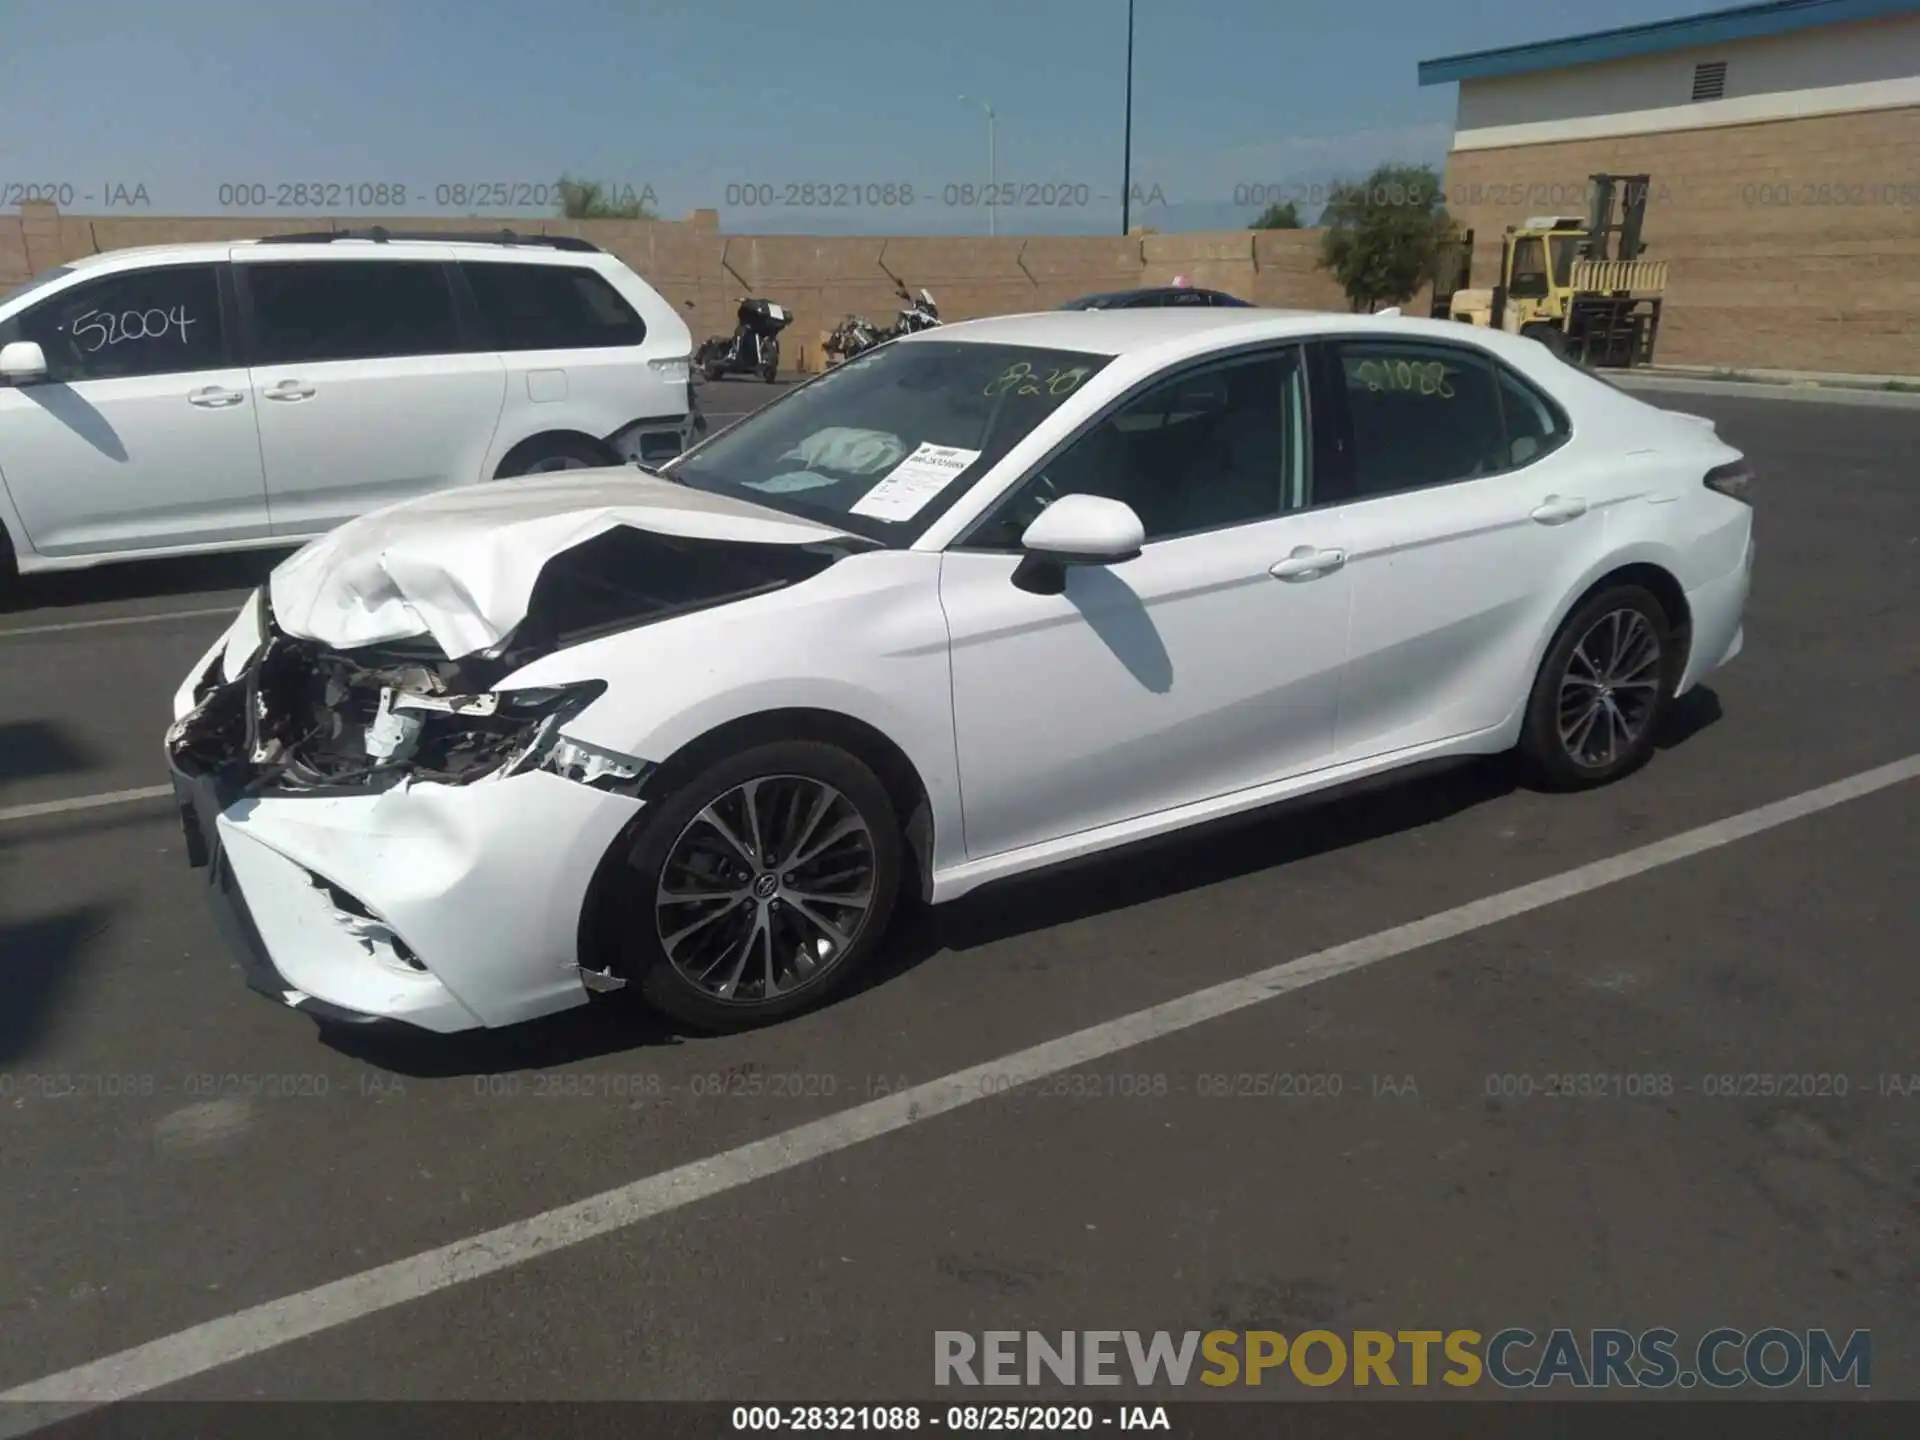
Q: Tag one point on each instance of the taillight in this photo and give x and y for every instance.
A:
(1732, 480)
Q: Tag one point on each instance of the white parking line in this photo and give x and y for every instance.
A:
(193, 1351)
(228, 611)
(84, 802)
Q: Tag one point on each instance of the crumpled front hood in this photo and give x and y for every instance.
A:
(461, 565)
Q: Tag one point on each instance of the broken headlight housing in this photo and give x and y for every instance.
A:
(458, 739)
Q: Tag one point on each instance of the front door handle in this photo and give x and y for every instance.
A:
(290, 390)
(1308, 563)
(1557, 510)
(214, 397)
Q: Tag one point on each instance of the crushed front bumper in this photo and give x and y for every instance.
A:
(444, 907)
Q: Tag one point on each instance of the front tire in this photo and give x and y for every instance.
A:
(1602, 691)
(759, 888)
(770, 362)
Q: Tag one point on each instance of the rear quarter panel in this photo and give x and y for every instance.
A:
(595, 392)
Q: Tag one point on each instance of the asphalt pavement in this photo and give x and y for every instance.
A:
(1354, 1147)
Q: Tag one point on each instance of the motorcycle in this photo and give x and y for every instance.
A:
(854, 335)
(920, 314)
(752, 349)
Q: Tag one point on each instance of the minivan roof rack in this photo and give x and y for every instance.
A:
(379, 234)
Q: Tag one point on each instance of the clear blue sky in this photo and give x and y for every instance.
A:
(688, 97)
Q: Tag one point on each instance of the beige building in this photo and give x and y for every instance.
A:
(1783, 145)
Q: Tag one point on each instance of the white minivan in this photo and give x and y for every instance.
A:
(181, 399)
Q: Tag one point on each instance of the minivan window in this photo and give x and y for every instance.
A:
(550, 307)
(306, 311)
(164, 320)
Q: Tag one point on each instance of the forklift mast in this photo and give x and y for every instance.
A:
(1601, 226)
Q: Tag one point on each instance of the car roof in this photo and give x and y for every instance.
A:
(1167, 334)
(1116, 332)
(205, 251)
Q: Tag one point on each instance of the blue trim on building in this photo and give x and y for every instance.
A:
(1716, 27)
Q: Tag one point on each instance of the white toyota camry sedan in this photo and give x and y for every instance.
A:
(988, 598)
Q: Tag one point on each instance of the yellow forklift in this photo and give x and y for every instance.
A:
(1576, 284)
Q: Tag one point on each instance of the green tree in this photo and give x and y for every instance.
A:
(1382, 234)
(593, 200)
(1281, 215)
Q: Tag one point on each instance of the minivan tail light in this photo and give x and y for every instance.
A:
(1733, 480)
(676, 369)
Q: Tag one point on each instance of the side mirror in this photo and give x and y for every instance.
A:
(1077, 530)
(22, 363)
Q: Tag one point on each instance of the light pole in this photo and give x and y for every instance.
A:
(1126, 159)
(993, 185)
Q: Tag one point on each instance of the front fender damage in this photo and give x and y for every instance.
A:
(301, 715)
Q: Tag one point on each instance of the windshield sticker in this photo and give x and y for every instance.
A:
(1020, 378)
(1404, 377)
(913, 482)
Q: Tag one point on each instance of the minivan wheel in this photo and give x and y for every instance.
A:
(556, 452)
(760, 886)
(1602, 691)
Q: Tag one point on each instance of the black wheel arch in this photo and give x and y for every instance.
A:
(548, 441)
(1664, 587)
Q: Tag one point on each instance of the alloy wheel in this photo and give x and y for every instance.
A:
(766, 889)
(1610, 689)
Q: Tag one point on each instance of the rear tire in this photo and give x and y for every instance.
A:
(547, 453)
(706, 962)
(1603, 689)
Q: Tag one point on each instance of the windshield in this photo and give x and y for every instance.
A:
(883, 444)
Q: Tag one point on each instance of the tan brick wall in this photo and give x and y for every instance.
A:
(1794, 286)
(1801, 285)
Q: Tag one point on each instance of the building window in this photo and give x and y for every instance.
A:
(1710, 80)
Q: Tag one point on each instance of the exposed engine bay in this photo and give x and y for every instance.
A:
(304, 716)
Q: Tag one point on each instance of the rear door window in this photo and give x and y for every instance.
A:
(308, 311)
(550, 307)
(1420, 415)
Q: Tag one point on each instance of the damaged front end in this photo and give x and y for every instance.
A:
(303, 718)
(300, 716)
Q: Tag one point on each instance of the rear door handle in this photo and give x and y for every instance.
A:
(289, 390)
(213, 397)
(1557, 510)
(1308, 563)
